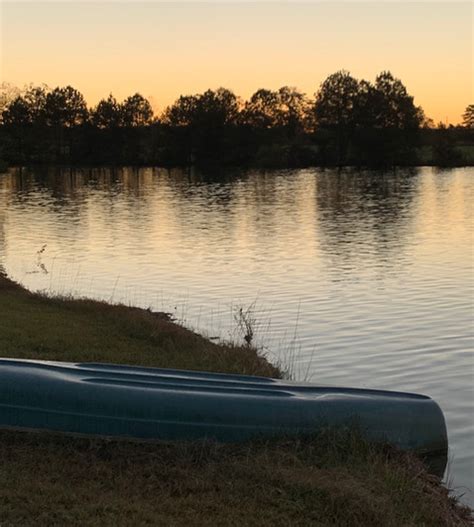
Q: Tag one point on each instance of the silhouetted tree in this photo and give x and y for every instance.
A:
(28, 108)
(468, 117)
(182, 112)
(294, 109)
(336, 99)
(445, 153)
(351, 122)
(392, 106)
(107, 113)
(16, 117)
(261, 110)
(23, 115)
(334, 108)
(64, 111)
(17, 113)
(200, 122)
(210, 110)
(286, 107)
(65, 107)
(217, 108)
(386, 121)
(8, 92)
(136, 111)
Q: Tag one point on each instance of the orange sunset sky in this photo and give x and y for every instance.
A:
(163, 49)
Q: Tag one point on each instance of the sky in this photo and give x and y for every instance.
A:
(164, 50)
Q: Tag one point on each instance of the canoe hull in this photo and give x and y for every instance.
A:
(151, 403)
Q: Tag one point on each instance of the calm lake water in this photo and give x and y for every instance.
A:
(355, 278)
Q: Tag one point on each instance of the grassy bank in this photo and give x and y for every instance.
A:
(48, 479)
(34, 326)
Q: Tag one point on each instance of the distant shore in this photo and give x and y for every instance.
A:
(348, 122)
(277, 156)
(276, 159)
(59, 480)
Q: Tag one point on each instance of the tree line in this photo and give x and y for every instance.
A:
(349, 121)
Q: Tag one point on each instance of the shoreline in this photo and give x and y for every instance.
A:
(331, 481)
(5, 167)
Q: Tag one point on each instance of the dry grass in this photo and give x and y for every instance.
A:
(54, 480)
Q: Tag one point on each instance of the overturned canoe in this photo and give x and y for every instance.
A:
(151, 403)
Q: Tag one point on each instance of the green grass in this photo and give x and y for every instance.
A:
(37, 327)
(334, 479)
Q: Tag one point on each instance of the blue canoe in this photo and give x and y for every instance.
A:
(151, 403)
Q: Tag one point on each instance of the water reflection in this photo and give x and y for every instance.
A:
(366, 215)
(372, 271)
